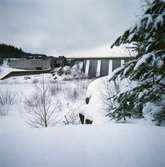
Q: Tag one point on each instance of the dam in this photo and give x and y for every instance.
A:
(100, 66)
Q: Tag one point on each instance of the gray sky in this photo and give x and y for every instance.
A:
(64, 26)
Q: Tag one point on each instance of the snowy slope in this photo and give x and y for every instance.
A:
(5, 69)
(109, 145)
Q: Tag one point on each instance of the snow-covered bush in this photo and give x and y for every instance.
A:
(70, 72)
(94, 107)
(76, 71)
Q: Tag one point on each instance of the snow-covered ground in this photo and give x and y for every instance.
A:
(125, 145)
(69, 95)
(108, 144)
(5, 69)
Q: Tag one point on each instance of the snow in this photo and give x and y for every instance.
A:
(98, 92)
(159, 21)
(142, 60)
(69, 95)
(96, 85)
(115, 72)
(160, 63)
(125, 145)
(69, 73)
(4, 70)
(150, 109)
(130, 37)
(149, 20)
(133, 144)
(94, 110)
(155, 61)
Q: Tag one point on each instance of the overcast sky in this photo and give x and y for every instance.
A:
(64, 26)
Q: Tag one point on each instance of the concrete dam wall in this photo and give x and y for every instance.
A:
(98, 67)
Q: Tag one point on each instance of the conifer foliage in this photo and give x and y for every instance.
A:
(147, 69)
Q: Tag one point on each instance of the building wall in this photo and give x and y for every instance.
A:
(30, 64)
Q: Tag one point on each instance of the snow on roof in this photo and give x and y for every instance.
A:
(4, 70)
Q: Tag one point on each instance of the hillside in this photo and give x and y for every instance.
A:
(9, 51)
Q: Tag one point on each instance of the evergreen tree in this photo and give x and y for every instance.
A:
(148, 68)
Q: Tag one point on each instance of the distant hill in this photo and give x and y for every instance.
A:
(9, 51)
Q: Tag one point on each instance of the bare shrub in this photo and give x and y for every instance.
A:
(84, 85)
(55, 89)
(42, 109)
(72, 93)
(71, 117)
(6, 100)
(75, 94)
(35, 81)
(4, 110)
